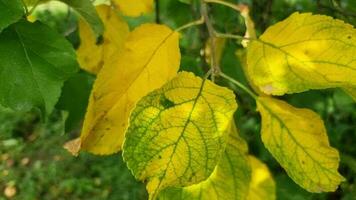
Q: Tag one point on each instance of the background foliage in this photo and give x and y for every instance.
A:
(34, 163)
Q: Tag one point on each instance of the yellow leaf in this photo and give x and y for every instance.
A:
(150, 58)
(351, 92)
(177, 133)
(303, 52)
(93, 54)
(230, 179)
(262, 186)
(134, 8)
(298, 140)
(250, 25)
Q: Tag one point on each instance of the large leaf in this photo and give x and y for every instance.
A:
(134, 8)
(86, 9)
(150, 58)
(35, 61)
(93, 55)
(177, 133)
(303, 52)
(230, 179)
(262, 185)
(11, 12)
(297, 139)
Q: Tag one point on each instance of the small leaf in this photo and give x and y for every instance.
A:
(134, 8)
(150, 58)
(179, 144)
(230, 179)
(297, 139)
(93, 54)
(262, 186)
(11, 12)
(303, 52)
(37, 60)
(87, 10)
(73, 146)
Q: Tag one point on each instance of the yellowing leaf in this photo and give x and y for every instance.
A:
(262, 186)
(230, 179)
(177, 133)
(150, 58)
(134, 8)
(297, 139)
(93, 54)
(73, 146)
(303, 52)
(250, 25)
(351, 92)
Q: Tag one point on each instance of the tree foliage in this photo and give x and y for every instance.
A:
(177, 130)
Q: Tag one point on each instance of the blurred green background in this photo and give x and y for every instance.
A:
(34, 166)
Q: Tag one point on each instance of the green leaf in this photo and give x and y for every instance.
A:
(74, 98)
(303, 52)
(10, 12)
(87, 10)
(230, 179)
(177, 133)
(298, 140)
(35, 61)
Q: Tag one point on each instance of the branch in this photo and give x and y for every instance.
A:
(204, 12)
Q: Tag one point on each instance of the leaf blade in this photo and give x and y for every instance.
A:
(297, 139)
(303, 52)
(229, 180)
(149, 50)
(93, 56)
(11, 12)
(198, 104)
(38, 61)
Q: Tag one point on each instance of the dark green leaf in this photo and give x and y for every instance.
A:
(74, 98)
(35, 61)
(87, 10)
(10, 12)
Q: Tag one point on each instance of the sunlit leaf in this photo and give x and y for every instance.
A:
(303, 52)
(262, 186)
(230, 179)
(93, 54)
(177, 133)
(298, 140)
(134, 8)
(149, 59)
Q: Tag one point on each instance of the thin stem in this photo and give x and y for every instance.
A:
(214, 65)
(228, 4)
(33, 7)
(190, 24)
(25, 6)
(250, 92)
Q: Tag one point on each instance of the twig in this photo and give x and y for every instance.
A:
(214, 65)
(190, 24)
